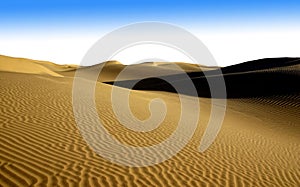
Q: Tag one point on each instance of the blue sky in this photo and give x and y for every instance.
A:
(61, 15)
(234, 31)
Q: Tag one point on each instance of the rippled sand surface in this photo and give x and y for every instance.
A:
(258, 145)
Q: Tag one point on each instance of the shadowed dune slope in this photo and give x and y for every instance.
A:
(263, 77)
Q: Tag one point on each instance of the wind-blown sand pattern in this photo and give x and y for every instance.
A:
(40, 144)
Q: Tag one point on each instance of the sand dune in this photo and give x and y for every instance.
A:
(24, 66)
(40, 144)
(185, 66)
(112, 69)
(265, 77)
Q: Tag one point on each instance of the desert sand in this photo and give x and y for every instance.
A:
(258, 145)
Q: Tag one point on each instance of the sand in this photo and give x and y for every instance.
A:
(40, 144)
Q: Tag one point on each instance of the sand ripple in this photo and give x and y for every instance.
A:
(41, 146)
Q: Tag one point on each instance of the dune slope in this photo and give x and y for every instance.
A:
(23, 65)
(265, 77)
(41, 145)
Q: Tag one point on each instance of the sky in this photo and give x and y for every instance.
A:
(234, 31)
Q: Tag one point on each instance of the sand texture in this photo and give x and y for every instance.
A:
(258, 144)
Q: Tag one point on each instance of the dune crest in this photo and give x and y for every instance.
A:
(264, 77)
(23, 65)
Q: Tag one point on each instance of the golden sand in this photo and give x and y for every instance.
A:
(40, 144)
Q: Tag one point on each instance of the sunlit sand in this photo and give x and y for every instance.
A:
(258, 144)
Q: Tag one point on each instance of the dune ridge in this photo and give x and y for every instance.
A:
(264, 77)
(23, 65)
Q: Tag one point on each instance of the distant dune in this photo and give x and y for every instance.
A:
(111, 69)
(258, 144)
(22, 65)
(265, 77)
